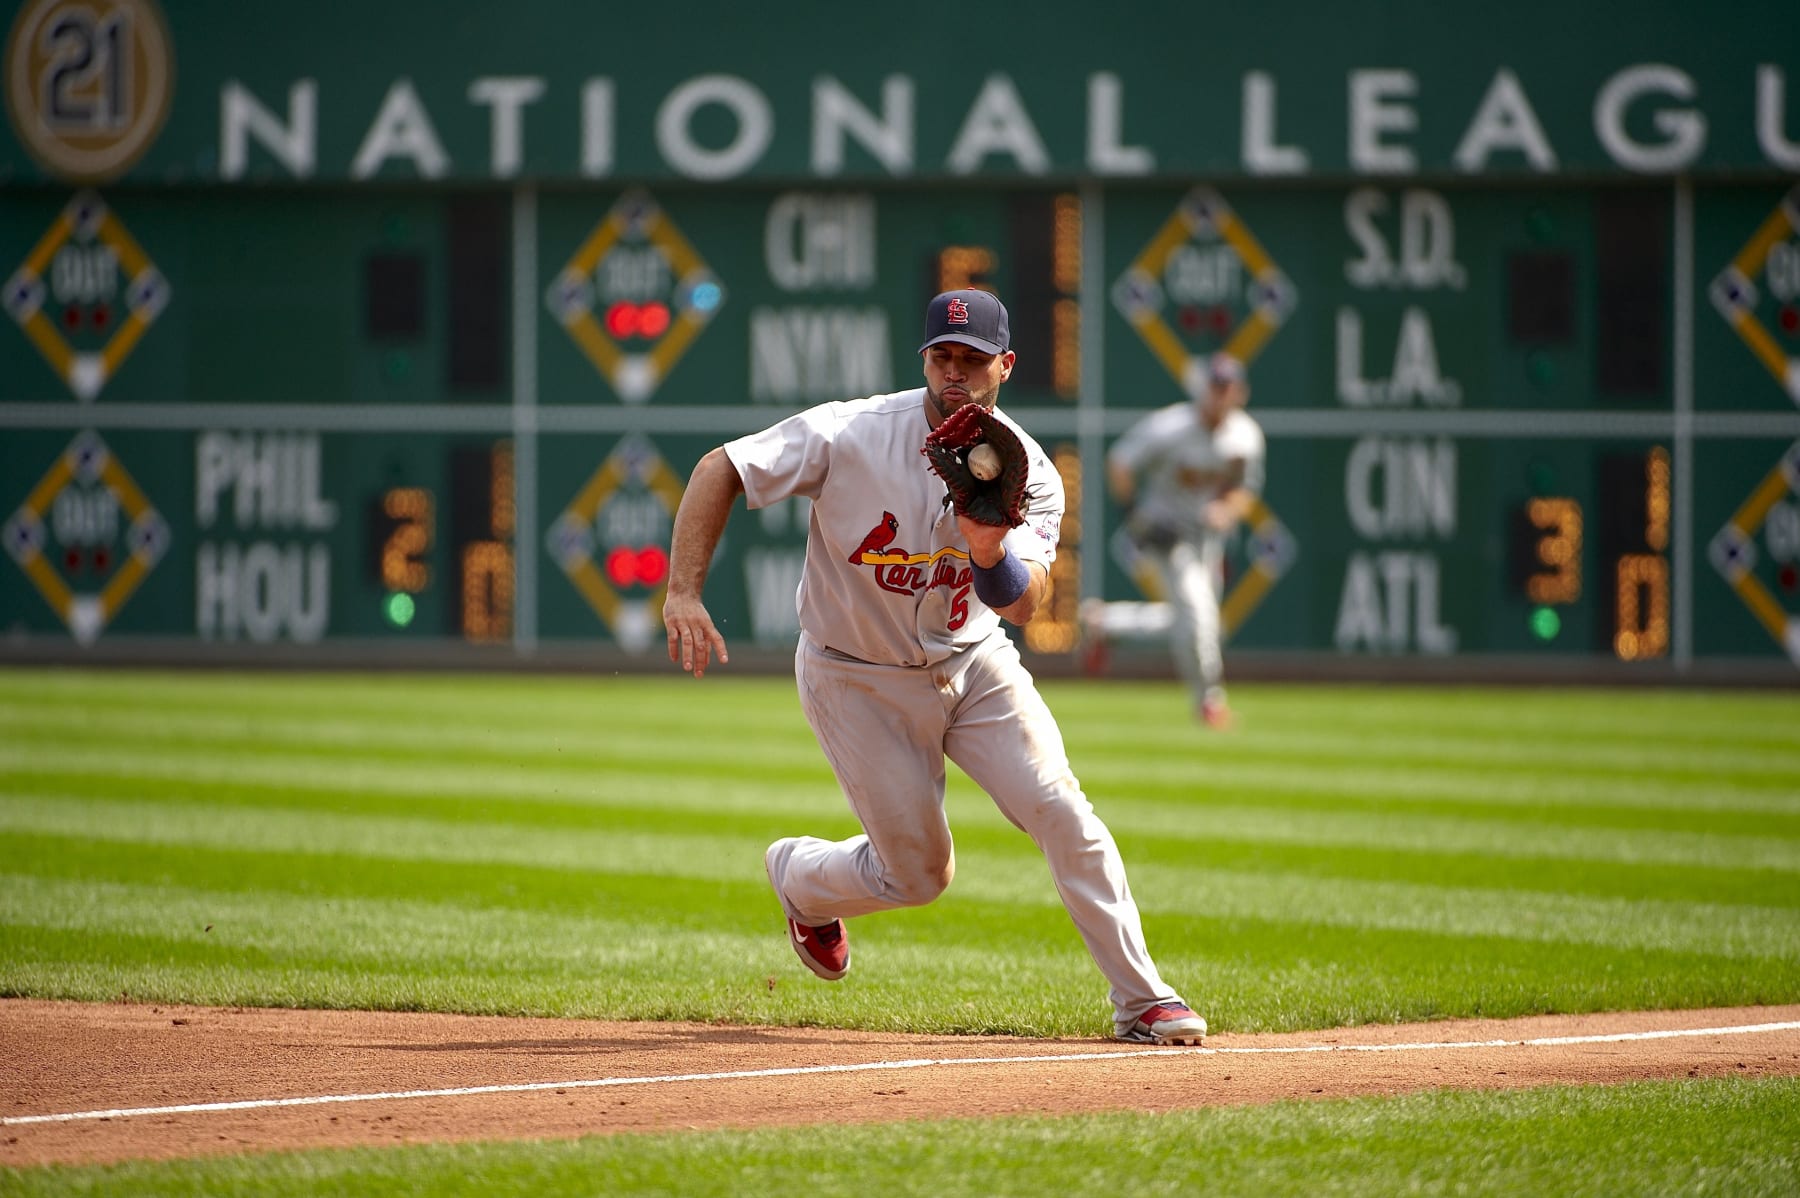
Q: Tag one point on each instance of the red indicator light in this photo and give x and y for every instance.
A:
(621, 566)
(621, 320)
(653, 320)
(649, 321)
(645, 567)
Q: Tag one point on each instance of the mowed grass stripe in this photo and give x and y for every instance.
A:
(473, 699)
(800, 783)
(1586, 754)
(1622, 801)
(352, 850)
(248, 777)
(173, 943)
(1447, 753)
(169, 939)
(1526, 716)
(438, 936)
(1148, 767)
(162, 818)
(1188, 851)
(649, 803)
(1607, 728)
(1174, 769)
(157, 770)
(534, 884)
(609, 746)
(394, 725)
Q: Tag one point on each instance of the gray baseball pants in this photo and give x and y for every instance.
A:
(1190, 572)
(887, 730)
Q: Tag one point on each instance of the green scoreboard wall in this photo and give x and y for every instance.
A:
(1501, 420)
(409, 339)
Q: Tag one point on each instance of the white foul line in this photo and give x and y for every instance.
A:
(257, 1104)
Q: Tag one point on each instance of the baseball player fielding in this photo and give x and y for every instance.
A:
(902, 662)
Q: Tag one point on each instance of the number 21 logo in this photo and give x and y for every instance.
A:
(88, 84)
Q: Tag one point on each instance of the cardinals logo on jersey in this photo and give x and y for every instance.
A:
(880, 537)
(905, 573)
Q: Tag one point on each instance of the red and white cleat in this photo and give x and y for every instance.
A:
(1167, 1023)
(1215, 715)
(825, 949)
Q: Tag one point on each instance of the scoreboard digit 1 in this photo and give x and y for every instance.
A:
(1635, 541)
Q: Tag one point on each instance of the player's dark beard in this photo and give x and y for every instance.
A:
(943, 409)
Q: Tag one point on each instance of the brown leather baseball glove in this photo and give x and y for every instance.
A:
(1001, 499)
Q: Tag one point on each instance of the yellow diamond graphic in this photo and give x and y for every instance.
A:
(64, 295)
(1269, 549)
(70, 521)
(1734, 553)
(612, 540)
(1771, 257)
(634, 296)
(1206, 268)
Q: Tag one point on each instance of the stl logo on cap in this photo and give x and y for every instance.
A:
(957, 312)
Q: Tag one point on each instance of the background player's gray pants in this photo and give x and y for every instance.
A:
(886, 731)
(1190, 572)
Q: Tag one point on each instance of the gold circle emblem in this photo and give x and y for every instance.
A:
(88, 84)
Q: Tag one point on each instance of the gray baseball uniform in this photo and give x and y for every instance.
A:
(1182, 466)
(901, 666)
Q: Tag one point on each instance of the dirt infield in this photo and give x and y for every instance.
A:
(313, 1079)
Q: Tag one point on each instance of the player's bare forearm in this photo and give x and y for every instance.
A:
(699, 523)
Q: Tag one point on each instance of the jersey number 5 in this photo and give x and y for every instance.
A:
(959, 609)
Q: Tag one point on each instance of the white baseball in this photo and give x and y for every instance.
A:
(984, 461)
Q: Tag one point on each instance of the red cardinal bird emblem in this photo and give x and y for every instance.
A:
(880, 537)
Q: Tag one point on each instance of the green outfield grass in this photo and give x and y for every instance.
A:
(1725, 1137)
(593, 847)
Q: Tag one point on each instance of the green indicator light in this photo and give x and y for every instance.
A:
(1541, 370)
(395, 229)
(1545, 623)
(399, 609)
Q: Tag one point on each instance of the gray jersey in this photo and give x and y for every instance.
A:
(1181, 465)
(887, 577)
